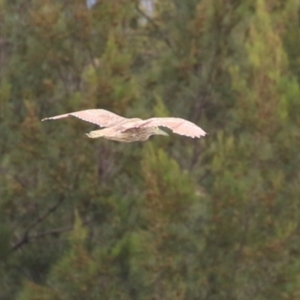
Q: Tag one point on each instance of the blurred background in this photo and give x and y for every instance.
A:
(174, 217)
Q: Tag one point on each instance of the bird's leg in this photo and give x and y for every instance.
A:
(97, 133)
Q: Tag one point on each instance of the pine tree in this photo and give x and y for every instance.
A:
(172, 218)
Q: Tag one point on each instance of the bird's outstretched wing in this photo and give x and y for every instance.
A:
(100, 117)
(177, 125)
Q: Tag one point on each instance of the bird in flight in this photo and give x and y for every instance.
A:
(125, 130)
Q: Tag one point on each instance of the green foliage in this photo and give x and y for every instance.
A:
(169, 191)
(172, 218)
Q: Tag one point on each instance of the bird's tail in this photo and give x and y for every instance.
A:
(96, 133)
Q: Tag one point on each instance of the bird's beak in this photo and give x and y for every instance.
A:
(161, 132)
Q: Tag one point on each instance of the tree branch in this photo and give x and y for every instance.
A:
(55, 231)
(25, 239)
(140, 11)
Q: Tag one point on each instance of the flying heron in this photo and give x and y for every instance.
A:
(125, 130)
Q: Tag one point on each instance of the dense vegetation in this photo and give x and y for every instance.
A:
(171, 218)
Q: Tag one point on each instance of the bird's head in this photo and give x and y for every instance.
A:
(158, 131)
